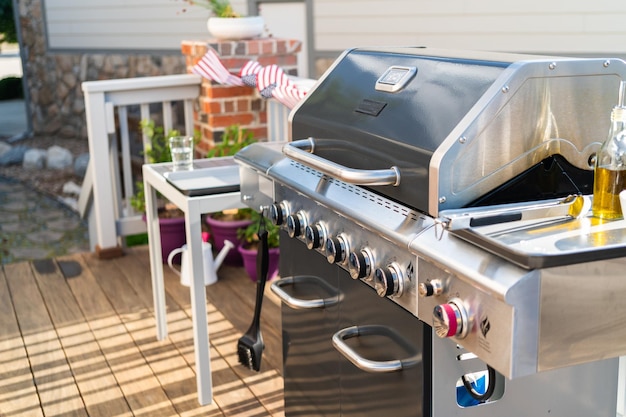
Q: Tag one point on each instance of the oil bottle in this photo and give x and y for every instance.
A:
(610, 169)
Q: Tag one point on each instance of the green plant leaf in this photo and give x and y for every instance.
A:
(249, 234)
(233, 140)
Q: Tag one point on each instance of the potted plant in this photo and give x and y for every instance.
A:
(249, 246)
(171, 219)
(225, 23)
(224, 225)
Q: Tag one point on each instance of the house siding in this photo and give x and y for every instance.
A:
(66, 42)
(125, 24)
(575, 26)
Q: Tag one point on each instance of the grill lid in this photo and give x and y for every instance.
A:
(456, 125)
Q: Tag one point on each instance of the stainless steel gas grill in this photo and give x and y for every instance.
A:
(437, 254)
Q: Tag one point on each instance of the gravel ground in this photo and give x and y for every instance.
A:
(48, 181)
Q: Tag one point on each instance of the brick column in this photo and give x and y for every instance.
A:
(222, 106)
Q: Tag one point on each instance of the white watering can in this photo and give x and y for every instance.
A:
(210, 265)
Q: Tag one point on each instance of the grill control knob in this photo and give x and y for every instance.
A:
(389, 280)
(360, 263)
(337, 249)
(315, 235)
(430, 288)
(296, 223)
(451, 319)
(279, 212)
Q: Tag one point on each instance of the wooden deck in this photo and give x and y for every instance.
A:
(78, 338)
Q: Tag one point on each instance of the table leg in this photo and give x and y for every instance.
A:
(198, 304)
(156, 265)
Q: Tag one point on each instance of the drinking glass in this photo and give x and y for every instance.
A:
(181, 148)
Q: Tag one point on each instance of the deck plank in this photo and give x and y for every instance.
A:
(125, 353)
(266, 385)
(78, 337)
(138, 383)
(56, 386)
(233, 298)
(236, 294)
(18, 394)
(230, 392)
(99, 390)
(170, 362)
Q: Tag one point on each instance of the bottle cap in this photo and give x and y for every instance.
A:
(618, 114)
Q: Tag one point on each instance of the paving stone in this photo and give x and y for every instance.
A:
(8, 217)
(6, 188)
(13, 156)
(49, 215)
(22, 228)
(63, 224)
(44, 236)
(22, 194)
(18, 205)
(34, 226)
(21, 254)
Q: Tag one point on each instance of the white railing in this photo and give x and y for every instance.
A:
(109, 180)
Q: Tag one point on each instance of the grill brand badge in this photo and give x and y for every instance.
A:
(485, 326)
(410, 270)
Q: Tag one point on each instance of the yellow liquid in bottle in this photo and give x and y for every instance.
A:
(607, 185)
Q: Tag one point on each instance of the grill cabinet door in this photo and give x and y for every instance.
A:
(311, 368)
(400, 393)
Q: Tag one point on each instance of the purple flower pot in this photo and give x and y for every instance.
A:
(249, 262)
(227, 230)
(172, 236)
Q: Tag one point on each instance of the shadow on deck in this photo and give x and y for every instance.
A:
(78, 337)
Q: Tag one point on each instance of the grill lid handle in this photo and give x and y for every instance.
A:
(303, 151)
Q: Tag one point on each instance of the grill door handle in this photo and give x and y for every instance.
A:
(298, 304)
(369, 365)
(303, 151)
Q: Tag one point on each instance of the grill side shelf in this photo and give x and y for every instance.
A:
(572, 245)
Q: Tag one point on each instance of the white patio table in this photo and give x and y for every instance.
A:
(204, 200)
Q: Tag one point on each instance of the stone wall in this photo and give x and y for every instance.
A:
(54, 79)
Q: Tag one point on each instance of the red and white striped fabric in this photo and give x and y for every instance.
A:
(289, 95)
(273, 82)
(249, 72)
(210, 66)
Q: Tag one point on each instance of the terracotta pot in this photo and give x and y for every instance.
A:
(235, 28)
(249, 262)
(227, 230)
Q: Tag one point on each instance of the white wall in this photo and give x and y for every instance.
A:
(125, 24)
(10, 61)
(576, 26)
(289, 21)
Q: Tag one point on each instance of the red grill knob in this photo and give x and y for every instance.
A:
(451, 319)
